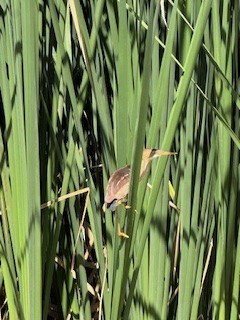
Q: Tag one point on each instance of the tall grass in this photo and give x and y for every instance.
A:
(85, 85)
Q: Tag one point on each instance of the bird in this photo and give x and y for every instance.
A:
(118, 183)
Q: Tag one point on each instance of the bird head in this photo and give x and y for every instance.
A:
(149, 154)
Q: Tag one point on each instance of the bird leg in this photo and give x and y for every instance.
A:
(113, 206)
(121, 234)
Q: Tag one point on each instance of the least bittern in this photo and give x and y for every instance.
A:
(118, 184)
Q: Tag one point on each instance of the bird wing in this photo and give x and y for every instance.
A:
(118, 185)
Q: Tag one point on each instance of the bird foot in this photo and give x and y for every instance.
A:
(122, 234)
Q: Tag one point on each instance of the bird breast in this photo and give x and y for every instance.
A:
(118, 185)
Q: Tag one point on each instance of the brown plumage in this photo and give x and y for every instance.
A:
(118, 184)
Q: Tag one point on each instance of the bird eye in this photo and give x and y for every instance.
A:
(153, 151)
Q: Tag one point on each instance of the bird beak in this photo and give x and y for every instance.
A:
(159, 153)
